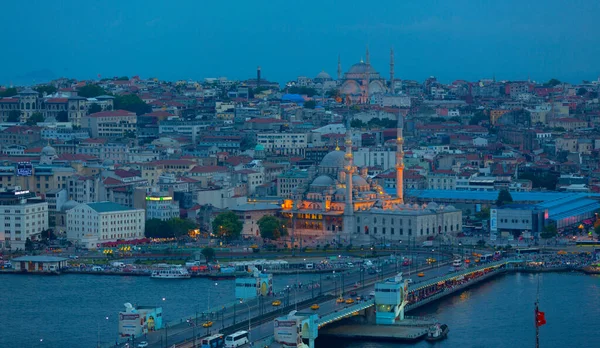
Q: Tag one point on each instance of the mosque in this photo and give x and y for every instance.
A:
(362, 80)
(342, 203)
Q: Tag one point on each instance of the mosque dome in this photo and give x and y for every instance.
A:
(358, 180)
(333, 159)
(323, 180)
(70, 204)
(362, 68)
(48, 151)
(323, 76)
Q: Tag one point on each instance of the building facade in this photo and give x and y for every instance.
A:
(24, 215)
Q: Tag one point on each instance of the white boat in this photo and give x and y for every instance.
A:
(170, 273)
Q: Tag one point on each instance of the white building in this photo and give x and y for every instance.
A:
(24, 216)
(283, 143)
(385, 158)
(91, 224)
(161, 206)
(107, 124)
(249, 214)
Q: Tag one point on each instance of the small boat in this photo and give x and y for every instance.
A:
(437, 332)
(171, 273)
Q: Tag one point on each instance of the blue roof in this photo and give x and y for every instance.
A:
(491, 196)
(107, 207)
(292, 97)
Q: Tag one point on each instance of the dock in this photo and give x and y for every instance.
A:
(407, 331)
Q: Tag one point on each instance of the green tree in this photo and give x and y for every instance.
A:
(28, 244)
(180, 227)
(271, 227)
(332, 93)
(94, 108)
(45, 90)
(582, 91)
(156, 228)
(9, 92)
(227, 225)
(311, 104)
(553, 82)
(14, 116)
(133, 103)
(123, 78)
(356, 123)
(48, 234)
(90, 91)
(209, 254)
(549, 231)
(478, 117)
(35, 118)
(503, 197)
(309, 92)
(62, 116)
(593, 95)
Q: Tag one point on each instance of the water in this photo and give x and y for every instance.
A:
(499, 314)
(70, 310)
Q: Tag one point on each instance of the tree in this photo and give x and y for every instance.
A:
(180, 227)
(478, 117)
(311, 104)
(133, 103)
(156, 228)
(593, 95)
(503, 197)
(209, 254)
(582, 91)
(48, 234)
(302, 90)
(271, 227)
(356, 123)
(549, 231)
(332, 93)
(35, 118)
(45, 90)
(9, 92)
(90, 91)
(227, 225)
(553, 82)
(28, 244)
(62, 116)
(94, 108)
(123, 78)
(14, 116)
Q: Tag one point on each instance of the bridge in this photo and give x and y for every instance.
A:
(257, 316)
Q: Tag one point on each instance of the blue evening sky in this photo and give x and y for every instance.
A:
(180, 39)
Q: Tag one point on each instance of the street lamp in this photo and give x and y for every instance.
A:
(98, 341)
(209, 297)
(249, 317)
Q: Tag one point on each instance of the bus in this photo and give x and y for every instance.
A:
(486, 258)
(237, 339)
(524, 251)
(587, 243)
(214, 341)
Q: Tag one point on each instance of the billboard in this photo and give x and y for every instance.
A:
(24, 169)
(130, 324)
(287, 333)
(494, 220)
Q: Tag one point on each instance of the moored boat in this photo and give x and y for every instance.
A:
(170, 273)
(437, 332)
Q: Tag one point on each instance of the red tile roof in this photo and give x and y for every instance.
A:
(115, 113)
(209, 169)
(9, 100)
(265, 120)
(57, 100)
(76, 157)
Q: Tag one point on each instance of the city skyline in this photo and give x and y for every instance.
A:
(458, 41)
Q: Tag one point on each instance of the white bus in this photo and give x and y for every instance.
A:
(237, 339)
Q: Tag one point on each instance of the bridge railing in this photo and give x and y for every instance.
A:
(344, 312)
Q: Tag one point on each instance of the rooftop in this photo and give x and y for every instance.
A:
(107, 207)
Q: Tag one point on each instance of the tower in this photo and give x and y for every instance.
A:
(339, 70)
(367, 76)
(258, 77)
(400, 161)
(349, 169)
(392, 70)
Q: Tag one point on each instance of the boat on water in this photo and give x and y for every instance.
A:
(437, 332)
(170, 273)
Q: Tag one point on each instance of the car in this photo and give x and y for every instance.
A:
(352, 293)
(421, 274)
(207, 324)
(276, 303)
(340, 300)
(358, 298)
(142, 344)
(315, 307)
(372, 294)
(349, 301)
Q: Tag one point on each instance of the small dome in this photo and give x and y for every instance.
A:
(48, 151)
(70, 204)
(259, 147)
(323, 180)
(323, 76)
(333, 159)
(358, 180)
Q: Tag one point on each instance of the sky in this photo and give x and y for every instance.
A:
(195, 39)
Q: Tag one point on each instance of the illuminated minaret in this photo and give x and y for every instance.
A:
(392, 70)
(400, 161)
(349, 170)
(339, 71)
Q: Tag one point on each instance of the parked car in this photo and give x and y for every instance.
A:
(143, 344)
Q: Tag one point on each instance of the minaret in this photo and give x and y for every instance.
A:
(400, 161)
(258, 77)
(368, 75)
(349, 169)
(392, 70)
(339, 71)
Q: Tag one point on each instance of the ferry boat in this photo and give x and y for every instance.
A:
(170, 273)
